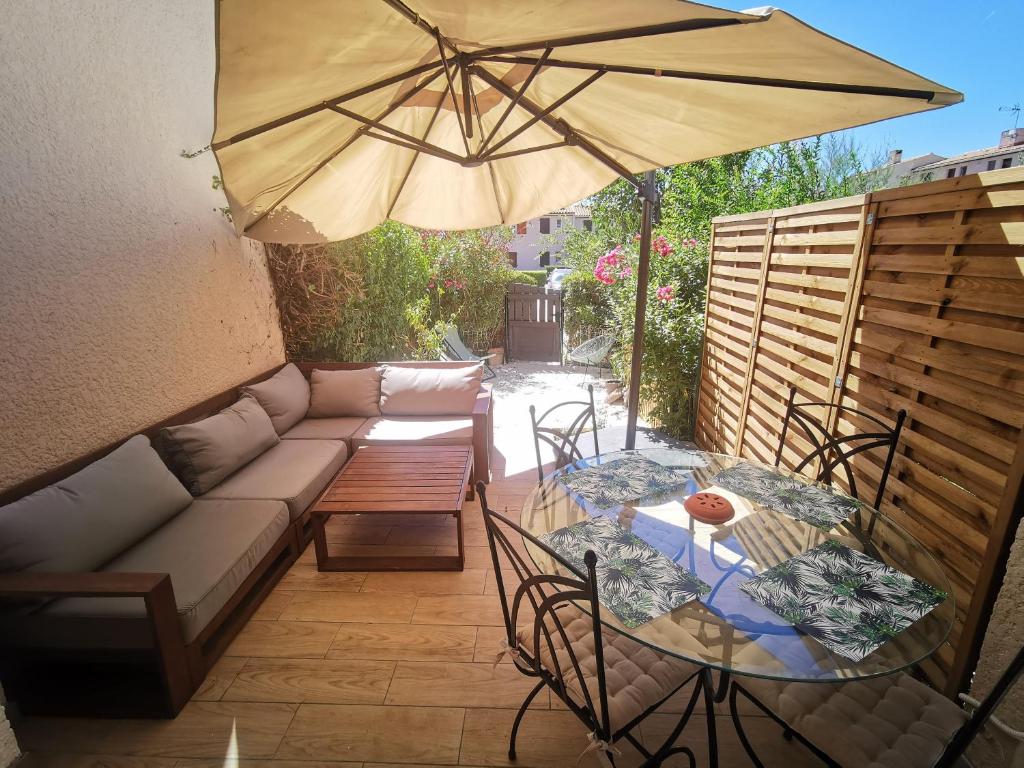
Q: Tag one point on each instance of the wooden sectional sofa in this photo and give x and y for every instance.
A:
(119, 588)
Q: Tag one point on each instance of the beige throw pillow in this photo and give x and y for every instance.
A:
(284, 396)
(344, 393)
(207, 451)
(429, 391)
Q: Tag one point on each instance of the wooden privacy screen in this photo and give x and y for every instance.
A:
(907, 298)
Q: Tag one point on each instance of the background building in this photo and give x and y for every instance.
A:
(538, 242)
(1009, 153)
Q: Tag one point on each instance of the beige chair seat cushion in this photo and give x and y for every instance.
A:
(887, 722)
(427, 430)
(335, 428)
(293, 471)
(637, 677)
(209, 550)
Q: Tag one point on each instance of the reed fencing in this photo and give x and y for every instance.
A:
(908, 298)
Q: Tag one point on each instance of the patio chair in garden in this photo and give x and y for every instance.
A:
(454, 348)
(553, 633)
(564, 440)
(594, 351)
(834, 451)
(889, 722)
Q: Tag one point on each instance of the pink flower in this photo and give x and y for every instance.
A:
(448, 283)
(459, 285)
(430, 285)
(692, 242)
(661, 245)
(636, 238)
(626, 272)
(665, 294)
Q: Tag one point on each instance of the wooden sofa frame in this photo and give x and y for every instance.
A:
(157, 676)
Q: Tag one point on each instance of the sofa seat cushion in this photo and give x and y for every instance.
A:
(427, 430)
(86, 520)
(337, 428)
(887, 722)
(209, 550)
(293, 471)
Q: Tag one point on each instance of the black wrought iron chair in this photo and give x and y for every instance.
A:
(564, 440)
(836, 451)
(889, 722)
(553, 632)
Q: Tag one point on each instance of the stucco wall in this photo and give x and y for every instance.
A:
(1005, 636)
(124, 293)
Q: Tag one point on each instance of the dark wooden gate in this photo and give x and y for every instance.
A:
(533, 323)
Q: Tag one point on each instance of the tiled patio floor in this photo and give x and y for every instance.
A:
(377, 670)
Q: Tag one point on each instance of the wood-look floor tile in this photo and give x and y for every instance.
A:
(211, 729)
(440, 683)
(467, 582)
(219, 678)
(305, 577)
(436, 535)
(289, 639)
(482, 610)
(317, 680)
(271, 608)
(410, 642)
(377, 733)
(258, 763)
(351, 606)
(72, 760)
(475, 557)
(546, 739)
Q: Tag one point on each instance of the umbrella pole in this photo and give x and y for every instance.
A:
(642, 276)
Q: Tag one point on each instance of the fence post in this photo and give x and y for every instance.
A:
(851, 308)
(755, 331)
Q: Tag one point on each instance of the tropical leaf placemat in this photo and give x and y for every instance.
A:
(635, 581)
(819, 507)
(622, 480)
(847, 601)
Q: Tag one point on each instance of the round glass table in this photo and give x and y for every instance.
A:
(726, 629)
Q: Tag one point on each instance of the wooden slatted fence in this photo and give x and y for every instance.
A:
(908, 298)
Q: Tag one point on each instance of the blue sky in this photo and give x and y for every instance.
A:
(974, 47)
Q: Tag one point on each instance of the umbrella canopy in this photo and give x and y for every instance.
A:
(451, 114)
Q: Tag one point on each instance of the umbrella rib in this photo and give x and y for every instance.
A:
(540, 116)
(512, 104)
(490, 167)
(312, 110)
(408, 171)
(768, 82)
(405, 137)
(562, 128)
(420, 22)
(361, 131)
(451, 92)
(686, 25)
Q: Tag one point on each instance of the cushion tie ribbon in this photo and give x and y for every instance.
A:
(602, 747)
(508, 649)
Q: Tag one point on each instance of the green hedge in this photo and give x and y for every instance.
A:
(536, 276)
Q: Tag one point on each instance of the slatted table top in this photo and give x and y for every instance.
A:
(395, 478)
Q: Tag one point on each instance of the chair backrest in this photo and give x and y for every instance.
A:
(456, 346)
(549, 602)
(564, 440)
(968, 732)
(593, 351)
(836, 451)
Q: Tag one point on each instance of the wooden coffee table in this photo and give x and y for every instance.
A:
(391, 480)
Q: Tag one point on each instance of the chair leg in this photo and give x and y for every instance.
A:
(709, 713)
(738, 725)
(519, 719)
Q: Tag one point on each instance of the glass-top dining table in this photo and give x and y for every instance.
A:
(725, 628)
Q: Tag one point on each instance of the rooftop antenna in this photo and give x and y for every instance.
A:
(1016, 108)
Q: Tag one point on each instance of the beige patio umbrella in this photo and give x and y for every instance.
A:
(334, 115)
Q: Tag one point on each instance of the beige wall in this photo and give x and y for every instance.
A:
(1005, 636)
(124, 294)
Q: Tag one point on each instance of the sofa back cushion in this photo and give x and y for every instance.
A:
(429, 391)
(344, 393)
(86, 520)
(284, 396)
(207, 451)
